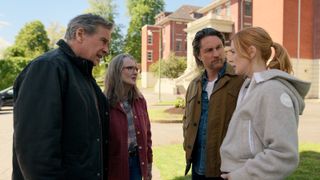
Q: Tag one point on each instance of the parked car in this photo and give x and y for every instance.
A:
(6, 97)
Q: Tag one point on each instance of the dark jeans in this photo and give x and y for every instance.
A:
(134, 168)
(196, 176)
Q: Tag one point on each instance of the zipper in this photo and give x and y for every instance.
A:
(251, 144)
(100, 126)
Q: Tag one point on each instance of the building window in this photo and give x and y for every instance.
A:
(248, 8)
(197, 15)
(178, 45)
(150, 39)
(245, 25)
(149, 56)
(218, 10)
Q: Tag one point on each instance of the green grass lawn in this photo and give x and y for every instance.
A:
(309, 167)
(166, 103)
(159, 115)
(170, 161)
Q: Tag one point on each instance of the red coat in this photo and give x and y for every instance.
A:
(118, 163)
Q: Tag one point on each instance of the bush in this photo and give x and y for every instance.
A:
(180, 103)
(9, 70)
(99, 73)
(171, 68)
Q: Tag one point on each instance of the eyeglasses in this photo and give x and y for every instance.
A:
(131, 68)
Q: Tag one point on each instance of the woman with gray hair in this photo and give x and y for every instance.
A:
(130, 153)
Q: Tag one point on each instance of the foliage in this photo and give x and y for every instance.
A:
(180, 103)
(55, 32)
(103, 8)
(117, 43)
(14, 51)
(170, 161)
(141, 12)
(9, 69)
(31, 41)
(106, 9)
(99, 73)
(172, 67)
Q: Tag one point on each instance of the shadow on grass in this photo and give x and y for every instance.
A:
(309, 166)
(166, 121)
(182, 178)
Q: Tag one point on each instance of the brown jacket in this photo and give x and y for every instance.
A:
(222, 103)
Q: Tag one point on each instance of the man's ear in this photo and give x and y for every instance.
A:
(252, 51)
(80, 34)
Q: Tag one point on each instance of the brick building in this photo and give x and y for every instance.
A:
(293, 23)
(166, 36)
(296, 25)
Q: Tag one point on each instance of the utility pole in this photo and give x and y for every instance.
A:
(160, 56)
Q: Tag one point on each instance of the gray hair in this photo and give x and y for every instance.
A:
(89, 22)
(114, 86)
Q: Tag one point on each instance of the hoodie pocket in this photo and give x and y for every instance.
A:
(247, 138)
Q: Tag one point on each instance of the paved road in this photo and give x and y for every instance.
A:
(163, 134)
(5, 144)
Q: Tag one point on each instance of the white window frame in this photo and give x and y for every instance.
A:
(150, 56)
(150, 39)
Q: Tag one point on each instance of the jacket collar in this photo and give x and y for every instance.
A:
(119, 107)
(84, 65)
(224, 75)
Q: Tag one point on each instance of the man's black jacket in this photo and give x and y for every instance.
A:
(60, 119)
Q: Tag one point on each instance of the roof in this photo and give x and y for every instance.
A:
(183, 14)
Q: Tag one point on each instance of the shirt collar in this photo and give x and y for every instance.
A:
(204, 78)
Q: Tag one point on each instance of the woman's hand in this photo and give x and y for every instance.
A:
(149, 172)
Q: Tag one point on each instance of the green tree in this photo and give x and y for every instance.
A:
(173, 67)
(106, 9)
(31, 41)
(14, 51)
(9, 69)
(55, 32)
(141, 12)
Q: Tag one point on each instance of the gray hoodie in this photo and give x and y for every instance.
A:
(262, 139)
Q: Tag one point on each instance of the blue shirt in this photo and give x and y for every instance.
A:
(199, 159)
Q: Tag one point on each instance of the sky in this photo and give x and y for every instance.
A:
(14, 14)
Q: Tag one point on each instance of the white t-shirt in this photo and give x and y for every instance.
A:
(210, 87)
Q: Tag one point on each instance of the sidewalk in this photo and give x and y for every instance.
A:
(153, 98)
(162, 133)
